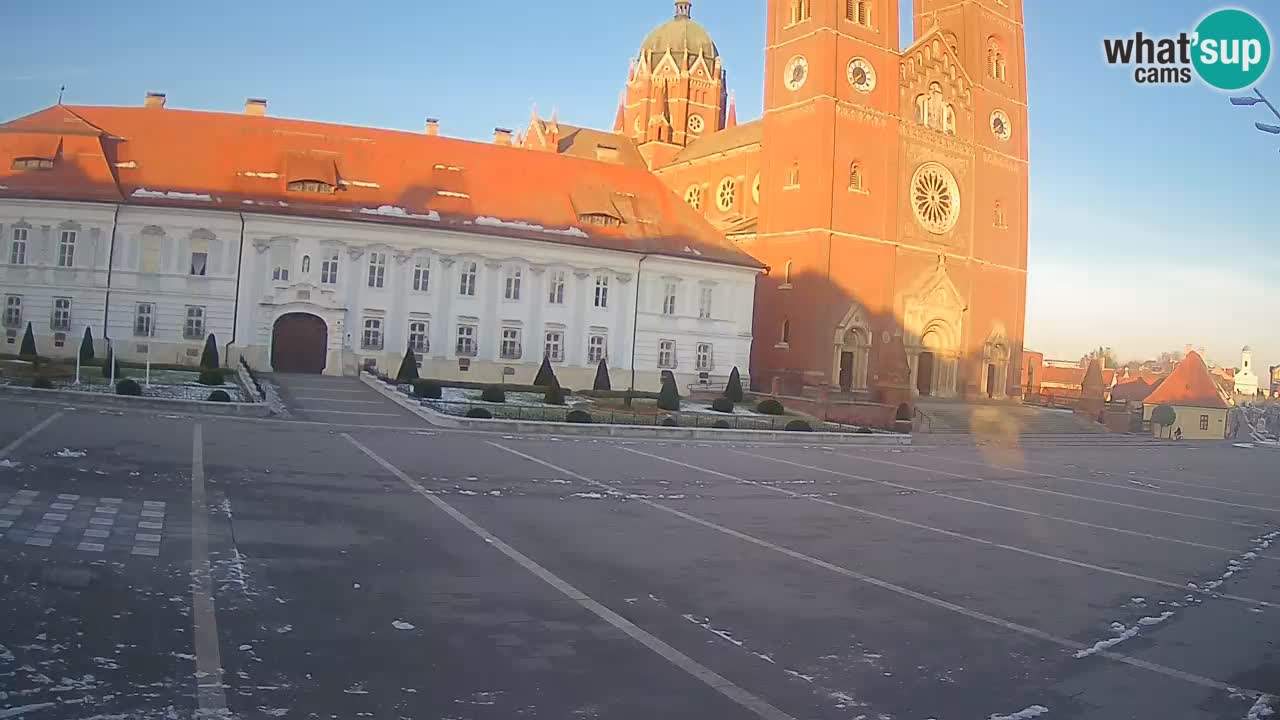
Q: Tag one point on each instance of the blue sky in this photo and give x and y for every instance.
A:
(1151, 206)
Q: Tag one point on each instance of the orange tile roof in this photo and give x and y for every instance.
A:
(1135, 390)
(1189, 384)
(241, 163)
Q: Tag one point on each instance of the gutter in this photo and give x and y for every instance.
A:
(635, 321)
(111, 263)
(235, 306)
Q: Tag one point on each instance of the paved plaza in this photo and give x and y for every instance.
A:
(170, 566)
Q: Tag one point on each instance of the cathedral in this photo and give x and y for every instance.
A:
(885, 188)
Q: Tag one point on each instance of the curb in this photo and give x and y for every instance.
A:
(125, 401)
(627, 431)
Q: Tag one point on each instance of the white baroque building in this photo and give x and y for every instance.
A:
(308, 247)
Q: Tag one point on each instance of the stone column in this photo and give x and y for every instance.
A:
(912, 360)
(442, 318)
(396, 332)
(490, 332)
(575, 335)
(537, 295)
(619, 346)
(357, 276)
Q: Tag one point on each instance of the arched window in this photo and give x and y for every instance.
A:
(995, 60)
(793, 176)
(997, 214)
(786, 274)
(786, 332)
(922, 109)
(306, 264)
(948, 119)
(855, 177)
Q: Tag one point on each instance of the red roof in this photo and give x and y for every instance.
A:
(1189, 384)
(1131, 390)
(1072, 375)
(243, 163)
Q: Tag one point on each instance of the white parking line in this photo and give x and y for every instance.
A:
(322, 388)
(1125, 474)
(347, 412)
(905, 592)
(1182, 586)
(332, 400)
(1106, 484)
(210, 698)
(7, 449)
(1021, 511)
(1047, 491)
(716, 682)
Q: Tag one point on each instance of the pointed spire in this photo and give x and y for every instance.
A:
(555, 125)
(620, 120)
(732, 120)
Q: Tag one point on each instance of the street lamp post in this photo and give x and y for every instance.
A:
(1250, 101)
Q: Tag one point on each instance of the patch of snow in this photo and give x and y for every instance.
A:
(6, 463)
(246, 647)
(402, 625)
(171, 195)
(399, 212)
(588, 495)
(1122, 633)
(24, 709)
(263, 175)
(466, 492)
(802, 676)
(1025, 714)
(522, 225)
(1261, 709)
(1156, 620)
(5, 654)
(360, 184)
(69, 453)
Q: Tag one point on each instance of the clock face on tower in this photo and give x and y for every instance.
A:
(796, 72)
(1000, 126)
(861, 74)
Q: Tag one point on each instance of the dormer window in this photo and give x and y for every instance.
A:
(311, 186)
(32, 163)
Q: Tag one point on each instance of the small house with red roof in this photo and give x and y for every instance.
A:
(1200, 404)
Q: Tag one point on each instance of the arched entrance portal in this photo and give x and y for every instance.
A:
(299, 344)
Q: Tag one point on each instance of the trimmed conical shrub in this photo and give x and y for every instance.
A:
(27, 351)
(602, 377)
(209, 358)
(408, 367)
(733, 390)
(86, 347)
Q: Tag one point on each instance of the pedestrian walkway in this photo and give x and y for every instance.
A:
(346, 400)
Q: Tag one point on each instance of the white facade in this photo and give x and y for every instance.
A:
(173, 276)
(1246, 378)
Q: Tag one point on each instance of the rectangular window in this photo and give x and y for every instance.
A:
(13, 311)
(705, 358)
(329, 270)
(67, 249)
(18, 250)
(199, 263)
(556, 294)
(61, 319)
(144, 319)
(597, 346)
(467, 280)
(377, 269)
(193, 328)
(602, 291)
(511, 286)
(510, 348)
(466, 346)
(419, 337)
(1204, 422)
(666, 353)
(372, 337)
(553, 346)
(669, 299)
(422, 275)
(704, 302)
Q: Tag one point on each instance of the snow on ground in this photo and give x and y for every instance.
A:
(69, 453)
(1025, 714)
(6, 463)
(172, 390)
(1261, 709)
(402, 625)
(699, 407)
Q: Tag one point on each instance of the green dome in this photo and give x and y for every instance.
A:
(683, 37)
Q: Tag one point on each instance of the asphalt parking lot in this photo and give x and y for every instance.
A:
(307, 570)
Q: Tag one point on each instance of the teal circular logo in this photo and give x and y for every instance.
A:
(1232, 49)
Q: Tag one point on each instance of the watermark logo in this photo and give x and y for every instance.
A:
(1229, 49)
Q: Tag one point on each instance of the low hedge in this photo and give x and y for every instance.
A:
(427, 389)
(769, 406)
(798, 426)
(864, 431)
(505, 387)
(579, 416)
(721, 425)
(42, 383)
(479, 414)
(722, 404)
(670, 422)
(219, 396)
(618, 394)
(211, 377)
(493, 394)
(129, 386)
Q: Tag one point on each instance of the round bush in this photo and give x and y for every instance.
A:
(219, 396)
(724, 405)
(42, 383)
(493, 395)
(798, 426)
(670, 422)
(578, 416)
(427, 389)
(211, 377)
(480, 414)
(129, 386)
(721, 424)
(769, 406)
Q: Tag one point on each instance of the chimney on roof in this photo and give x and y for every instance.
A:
(433, 127)
(502, 136)
(255, 106)
(154, 100)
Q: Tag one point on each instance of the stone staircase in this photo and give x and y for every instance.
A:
(950, 422)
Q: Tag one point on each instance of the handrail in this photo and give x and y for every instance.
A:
(925, 420)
